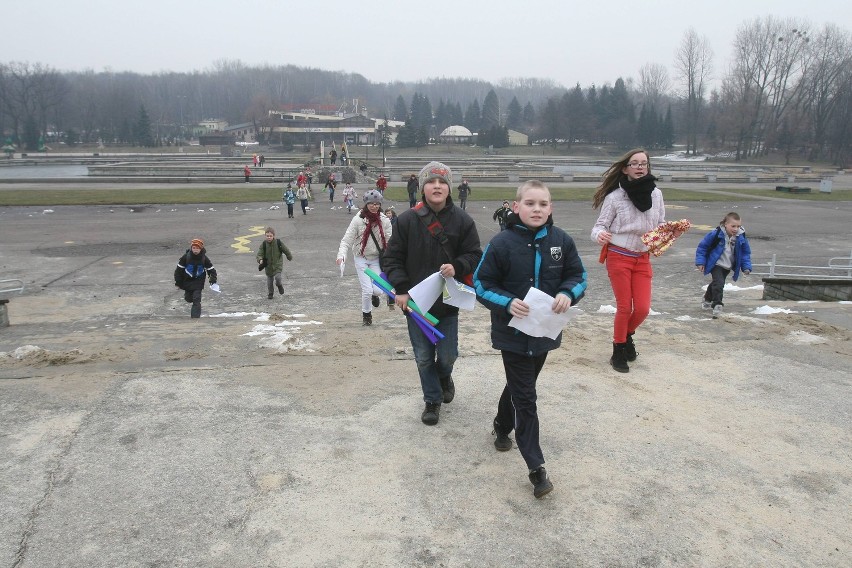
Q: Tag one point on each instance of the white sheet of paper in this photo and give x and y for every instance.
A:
(542, 321)
(427, 292)
(215, 287)
(458, 294)
(342, 267)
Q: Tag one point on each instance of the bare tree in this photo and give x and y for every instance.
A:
(654, 84)
(831, 54)
(694, 63)
(769, 56)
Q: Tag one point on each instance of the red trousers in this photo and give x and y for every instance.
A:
(631, 283)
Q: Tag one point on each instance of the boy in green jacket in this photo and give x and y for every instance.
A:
(269, 257)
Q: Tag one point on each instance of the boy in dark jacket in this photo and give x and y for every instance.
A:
(434, 236)
(191, 272)
(531, 252)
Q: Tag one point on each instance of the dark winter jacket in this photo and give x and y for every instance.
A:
(413, 253)
(712, 246)
(192, 271)
(413, 185)
(516, 260)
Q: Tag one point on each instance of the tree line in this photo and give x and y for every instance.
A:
(787, 89)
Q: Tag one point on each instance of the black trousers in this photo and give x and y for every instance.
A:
(193, 296)
(517, 409)
(717, 285)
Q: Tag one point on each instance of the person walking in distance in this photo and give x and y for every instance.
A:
(463, 191)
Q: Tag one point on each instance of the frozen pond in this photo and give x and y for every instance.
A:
(46, 171)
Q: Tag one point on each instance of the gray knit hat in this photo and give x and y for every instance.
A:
(436, 170)
(372, 196)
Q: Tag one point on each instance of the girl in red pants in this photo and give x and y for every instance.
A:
(631, 205)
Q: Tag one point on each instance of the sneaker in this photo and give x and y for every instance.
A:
(503, 442)
(705, 305)
(449, 389)
(281, 289)
(375, 301)
(430, 413)
(368, 319)
(269, 296)
(717, 310)
(541, 484)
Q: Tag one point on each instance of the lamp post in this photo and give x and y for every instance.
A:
(180, 126)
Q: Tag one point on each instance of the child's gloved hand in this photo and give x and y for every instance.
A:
(746, 272)
(699, 267)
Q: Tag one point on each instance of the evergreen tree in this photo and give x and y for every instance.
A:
(529, 115)
(667, 131)
(514, 117)
(473, 116)
(400, 111)
(142, 129)
(31, 134)
(406, 137)
(490, 111)
(457, 118)
(549, 126)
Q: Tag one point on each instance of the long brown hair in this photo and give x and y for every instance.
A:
(613, 173)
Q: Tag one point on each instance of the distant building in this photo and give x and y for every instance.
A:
(289, 127)
(518, 138)
(213, 124)
(455, 135)
(244, 132)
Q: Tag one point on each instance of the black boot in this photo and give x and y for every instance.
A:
(618, 359)
(630, 348)
(368, 319)
(448, 388)
(503, 442)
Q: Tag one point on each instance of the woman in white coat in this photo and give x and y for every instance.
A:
(367, 235)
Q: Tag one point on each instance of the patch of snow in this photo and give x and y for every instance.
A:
(767, 310)
(237, 314)
(805, 337)
(606, 310)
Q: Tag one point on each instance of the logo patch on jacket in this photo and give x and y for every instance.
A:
(556, 253)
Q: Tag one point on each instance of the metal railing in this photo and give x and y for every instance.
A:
(11, 286)
(838, 267)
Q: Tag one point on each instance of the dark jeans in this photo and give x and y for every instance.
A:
(289, 209)
(517, 407)
(193, 297)
(304, 206)
(412, 199)
(717, 286)
(463, 202)
(435, 361)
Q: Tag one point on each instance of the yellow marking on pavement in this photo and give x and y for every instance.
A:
(118, 262)
(703, 227)
(677, 206)
(242, 244)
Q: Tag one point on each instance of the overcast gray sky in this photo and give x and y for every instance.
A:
(593, 41)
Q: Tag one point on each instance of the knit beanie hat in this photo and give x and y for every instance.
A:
(197, 243)
(436, 170)
(372, 196)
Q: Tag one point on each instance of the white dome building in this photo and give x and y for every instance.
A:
(456, 134)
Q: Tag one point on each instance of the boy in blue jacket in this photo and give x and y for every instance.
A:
(531, 252)
(721, 251)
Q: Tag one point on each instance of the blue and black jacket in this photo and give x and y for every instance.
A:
(192, 270)
(516, 260)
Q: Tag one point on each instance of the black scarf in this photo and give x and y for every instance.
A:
(639, 190)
